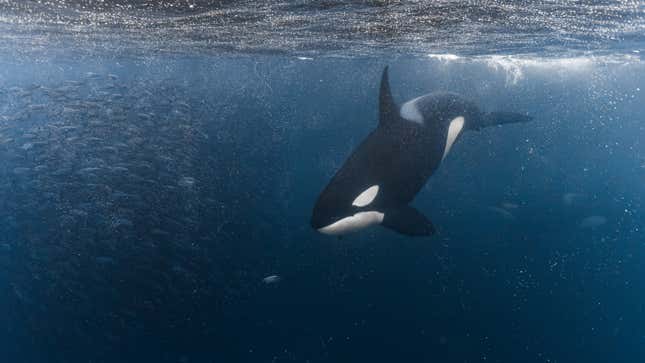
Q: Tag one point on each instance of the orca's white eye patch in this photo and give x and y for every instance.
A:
(366, 197)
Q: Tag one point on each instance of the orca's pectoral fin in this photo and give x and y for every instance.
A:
(408, 221)
(501, 118)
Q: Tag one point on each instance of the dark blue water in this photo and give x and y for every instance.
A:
(145, 195)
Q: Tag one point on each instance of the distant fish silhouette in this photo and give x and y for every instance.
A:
(569, 198)
(502, 213)
(592, 222)
(186, 182)
(509, 205)
(272, 279)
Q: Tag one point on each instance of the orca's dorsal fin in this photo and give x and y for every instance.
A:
(387, 109)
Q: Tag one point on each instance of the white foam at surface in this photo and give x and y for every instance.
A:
(515, 67)
(445, 57)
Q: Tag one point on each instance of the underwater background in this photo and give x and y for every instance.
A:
(159, 162)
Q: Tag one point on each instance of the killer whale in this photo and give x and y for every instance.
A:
(384, 173)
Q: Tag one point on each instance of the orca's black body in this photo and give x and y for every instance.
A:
(386, 171)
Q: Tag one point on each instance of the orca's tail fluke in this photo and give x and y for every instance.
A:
(501, 118)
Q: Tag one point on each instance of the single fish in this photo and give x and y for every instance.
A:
(272, 279)
(592, 222)
(509, 205)
(502, 213)
(569, 198)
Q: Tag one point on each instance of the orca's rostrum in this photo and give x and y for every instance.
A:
(382, 176)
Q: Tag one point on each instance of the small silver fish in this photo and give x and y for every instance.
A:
(569, 198)
(592, 222)
(509, 205)
(502, 213)
(271, 279)
(186, 182)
